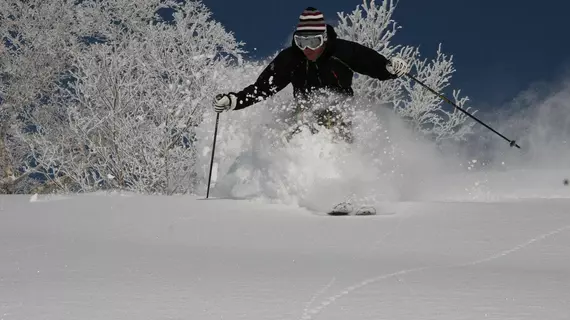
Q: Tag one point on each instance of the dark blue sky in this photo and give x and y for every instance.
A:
(500, 47)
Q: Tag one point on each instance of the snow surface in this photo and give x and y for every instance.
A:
(466, 233)
(155, 257)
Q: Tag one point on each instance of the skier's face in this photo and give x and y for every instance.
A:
(312, 45)
(314, 54)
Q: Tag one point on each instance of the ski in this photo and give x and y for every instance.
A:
(347, 209)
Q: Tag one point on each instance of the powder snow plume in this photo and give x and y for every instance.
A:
(388, 162)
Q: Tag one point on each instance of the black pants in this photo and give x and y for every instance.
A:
(316, 118)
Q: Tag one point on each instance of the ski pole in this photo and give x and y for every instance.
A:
(213, 151)
(512, 143)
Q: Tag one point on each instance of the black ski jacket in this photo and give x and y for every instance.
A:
(333, 70)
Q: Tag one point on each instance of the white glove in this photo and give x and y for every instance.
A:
(397, 66)
(225, 102)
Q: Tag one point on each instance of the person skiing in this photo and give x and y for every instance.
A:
(317, 60)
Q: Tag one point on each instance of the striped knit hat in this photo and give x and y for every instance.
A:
(311, 22)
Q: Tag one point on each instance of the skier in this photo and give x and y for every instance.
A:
(316, 61)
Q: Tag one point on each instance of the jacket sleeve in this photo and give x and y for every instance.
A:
(363, 60)
(275, 77)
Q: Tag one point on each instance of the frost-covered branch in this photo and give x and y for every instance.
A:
(37, 41)
(371, 24)
(128, 113)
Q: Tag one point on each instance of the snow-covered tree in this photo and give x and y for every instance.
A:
(125, 118)
(37, 39)
(105, 94)
(371, 24)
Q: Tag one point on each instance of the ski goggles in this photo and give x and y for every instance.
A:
(312, 42)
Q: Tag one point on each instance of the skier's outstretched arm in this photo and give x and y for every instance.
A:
(274, 78)
(369, 62)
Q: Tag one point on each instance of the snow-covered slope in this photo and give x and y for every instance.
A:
(152, 257)
(480, 233)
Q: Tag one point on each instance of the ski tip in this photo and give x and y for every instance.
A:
(366, 211)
